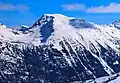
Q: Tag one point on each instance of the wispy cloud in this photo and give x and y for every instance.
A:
(73, 7)
(111, 8)
(11, 7)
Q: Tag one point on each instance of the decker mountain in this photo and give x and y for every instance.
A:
(59, 49)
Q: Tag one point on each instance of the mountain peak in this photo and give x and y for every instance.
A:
(2, 25)
(58, 49)
(57, 15)
(55, 24)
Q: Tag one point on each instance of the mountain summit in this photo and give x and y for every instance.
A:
(59, 49)
(55, 24)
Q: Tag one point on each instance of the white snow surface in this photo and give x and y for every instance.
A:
(106, 79)
(25, 26)
(117, 24)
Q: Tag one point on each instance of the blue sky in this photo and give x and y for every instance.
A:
(15, 13)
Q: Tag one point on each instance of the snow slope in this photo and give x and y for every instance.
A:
(107, 79)
(16, 36)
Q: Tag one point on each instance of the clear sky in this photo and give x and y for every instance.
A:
(17, 12)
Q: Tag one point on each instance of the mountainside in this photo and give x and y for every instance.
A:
(59, 49)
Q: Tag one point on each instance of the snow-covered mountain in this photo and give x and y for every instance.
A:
(59, 49)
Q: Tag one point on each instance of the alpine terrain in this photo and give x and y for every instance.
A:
(60, 49)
